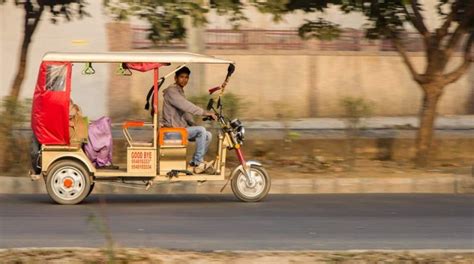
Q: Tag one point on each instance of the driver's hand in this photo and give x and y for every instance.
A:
(212, 115)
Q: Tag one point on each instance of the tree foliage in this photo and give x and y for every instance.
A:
(392, 19)
(167, 17)
(316, 28)
(233, 9)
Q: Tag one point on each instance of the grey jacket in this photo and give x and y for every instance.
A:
(177, 110)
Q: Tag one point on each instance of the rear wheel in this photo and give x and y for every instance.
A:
(68, 182)
(92, 188)
(254, 190)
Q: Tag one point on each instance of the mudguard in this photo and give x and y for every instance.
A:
(248, 164)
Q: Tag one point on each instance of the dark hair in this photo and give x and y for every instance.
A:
(183, 70)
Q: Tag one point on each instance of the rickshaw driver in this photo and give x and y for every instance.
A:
(178, 112)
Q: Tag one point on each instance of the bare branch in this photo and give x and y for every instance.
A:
(401, 49)
(456, 74)
(460, 31)
(454, 40)
(417, 19)
(443, 30)
(468, 47)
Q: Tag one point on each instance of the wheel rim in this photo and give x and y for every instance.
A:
(68, 183)
(247, 188)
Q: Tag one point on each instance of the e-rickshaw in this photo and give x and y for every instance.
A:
(69, 174)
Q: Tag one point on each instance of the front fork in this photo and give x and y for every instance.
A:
(245, 167)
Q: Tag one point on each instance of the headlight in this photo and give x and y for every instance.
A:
(239, 130)
(240, 134)
(235, 123)
(242, 130)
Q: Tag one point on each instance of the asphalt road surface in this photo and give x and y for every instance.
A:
(219, 222)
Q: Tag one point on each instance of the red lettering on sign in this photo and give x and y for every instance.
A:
(141, 160)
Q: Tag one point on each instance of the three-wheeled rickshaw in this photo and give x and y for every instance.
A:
(69, 174)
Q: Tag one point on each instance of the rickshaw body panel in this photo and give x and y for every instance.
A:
(51, 154)
(196, 177)
(141, 161)
(172, 158)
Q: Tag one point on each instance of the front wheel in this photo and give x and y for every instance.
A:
(68, 182)
(254, 190)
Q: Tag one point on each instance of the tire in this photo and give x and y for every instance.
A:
(68, 182)
(251, 194)
(90, 191)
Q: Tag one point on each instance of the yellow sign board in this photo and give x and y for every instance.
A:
(141, 160)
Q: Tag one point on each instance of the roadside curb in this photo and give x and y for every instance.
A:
(416, 251)
(438, 184)
(442, 122)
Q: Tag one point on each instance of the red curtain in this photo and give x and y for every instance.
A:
(50, 110)
(144, 66)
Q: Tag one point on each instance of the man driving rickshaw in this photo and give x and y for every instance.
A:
(178, 112)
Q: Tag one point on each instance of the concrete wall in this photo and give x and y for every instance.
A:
(118, 88)
(310, 85)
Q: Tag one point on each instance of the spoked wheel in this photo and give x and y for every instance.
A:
(254, 190)
(68, 182)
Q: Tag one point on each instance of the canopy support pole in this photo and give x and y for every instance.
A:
(155, 107)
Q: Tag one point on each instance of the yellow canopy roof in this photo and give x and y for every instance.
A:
(108, 57)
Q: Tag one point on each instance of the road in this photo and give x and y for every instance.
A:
(219, 222)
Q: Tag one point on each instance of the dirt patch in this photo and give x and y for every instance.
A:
(313, 159)
(173, 256)
(308, 168)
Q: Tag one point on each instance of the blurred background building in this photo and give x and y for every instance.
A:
(277, 71)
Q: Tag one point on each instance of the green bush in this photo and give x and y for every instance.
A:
(284, 113)
(14, 112)
(14, 115)
(355, 109)
(233, 105)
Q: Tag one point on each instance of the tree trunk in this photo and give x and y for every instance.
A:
(432, 93)
(20, 74)
(32, 18)
(31, 22)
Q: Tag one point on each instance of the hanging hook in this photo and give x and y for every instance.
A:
(88, 70)
(123, 70)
